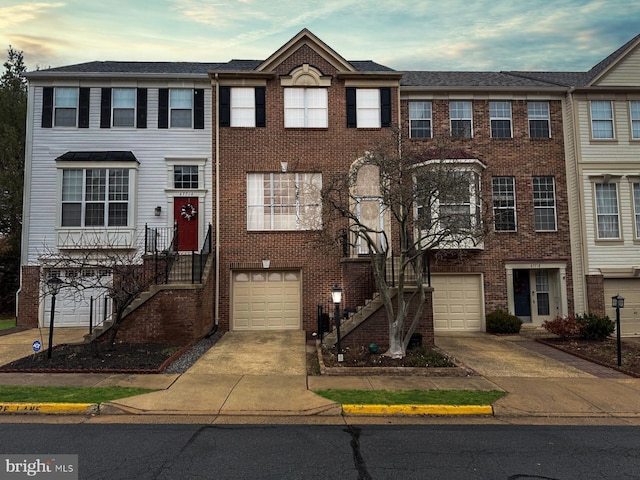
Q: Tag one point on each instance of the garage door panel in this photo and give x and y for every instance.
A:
(629, 288)
(264, 301)
(457, 302)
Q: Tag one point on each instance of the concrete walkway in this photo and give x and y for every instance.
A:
(264, 374)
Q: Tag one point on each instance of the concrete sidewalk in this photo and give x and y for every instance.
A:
(264, 374)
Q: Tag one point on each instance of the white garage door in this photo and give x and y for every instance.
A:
(266, 300)
(629, 288)
(457, 302)
(73, 303)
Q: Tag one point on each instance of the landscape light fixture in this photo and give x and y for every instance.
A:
(54, 284)
(617, 302)
(336, 296)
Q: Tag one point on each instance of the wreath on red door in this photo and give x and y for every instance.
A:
(188, 211)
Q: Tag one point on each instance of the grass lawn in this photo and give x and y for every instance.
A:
(412, 397)
(7, 322)
(16, 393)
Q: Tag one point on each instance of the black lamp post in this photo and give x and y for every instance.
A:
(336, 296)
(617, 302)
(54, 284)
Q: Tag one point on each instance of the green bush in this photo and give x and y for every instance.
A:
(503, 322)
(587, 326)
(593, 327)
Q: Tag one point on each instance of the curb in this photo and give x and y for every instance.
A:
(11, 408)
(356, 409)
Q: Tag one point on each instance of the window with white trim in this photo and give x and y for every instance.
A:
(123, 104)
(636, 207)
(544, 204)
(65, 107)
(500, 115)
(369, 210)
(181, 107)
(284, 201)
(634, 111)
(602, 119)
(607, 213)
(504, 204)
(95, 197)
(306, 107)
(243, 107)
(368, 107)
(539, 120)
(460, 113)
(420, 119)
(185, 176)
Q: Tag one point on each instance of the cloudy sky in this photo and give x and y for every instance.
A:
(402, 34)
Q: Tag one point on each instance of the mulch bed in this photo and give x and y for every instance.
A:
(85, 358)
(603, 352)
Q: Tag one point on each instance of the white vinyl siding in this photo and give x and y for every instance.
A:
(305, 108)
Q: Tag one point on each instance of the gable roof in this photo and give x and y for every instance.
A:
(605, 65)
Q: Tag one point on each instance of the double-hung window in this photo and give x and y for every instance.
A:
(544, 204)
(634, 111)
(538, 119)
(284, 201)
(124, 107)
(65, 106)
(95, 197)
(602, 119)
(180, 107)
(636, 207)
(368, 107)
(420, 119)
(305, 107)
(243, 107)
(461, 119)
(607, 213)
(500, 115)
(504, 204)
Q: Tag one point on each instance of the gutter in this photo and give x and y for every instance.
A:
(217, 209)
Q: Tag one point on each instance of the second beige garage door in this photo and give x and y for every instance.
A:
(458, 302)
(266, 300)
(629, 288)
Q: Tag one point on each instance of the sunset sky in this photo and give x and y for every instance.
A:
(402, 34)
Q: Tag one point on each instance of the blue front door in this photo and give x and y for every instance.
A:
(521, 298)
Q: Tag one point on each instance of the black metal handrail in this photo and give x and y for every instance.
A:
(100, 310)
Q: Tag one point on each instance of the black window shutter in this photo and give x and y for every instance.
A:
(261, 111)
(105, 108)
(163, 108)
(351, 108)
(47, 107)
(141, 108)
(385, 107)
(198, 108)
(83, 110)
(225, 106)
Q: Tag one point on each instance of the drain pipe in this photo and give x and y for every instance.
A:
(216, 303)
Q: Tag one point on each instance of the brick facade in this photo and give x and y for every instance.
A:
(595, 295)
(29, 298)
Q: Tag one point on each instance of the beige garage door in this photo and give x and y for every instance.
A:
(457, 302)
(266, 300)
(629, 288)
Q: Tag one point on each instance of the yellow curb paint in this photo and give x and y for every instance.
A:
(355, 409)
(47, 408)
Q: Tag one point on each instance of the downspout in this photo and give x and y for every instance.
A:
(216, 303)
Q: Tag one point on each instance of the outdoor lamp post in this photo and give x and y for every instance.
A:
(336, 296)
(54, 284)
(617, 302)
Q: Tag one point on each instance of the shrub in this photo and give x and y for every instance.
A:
(565, 327)
(503, 322)
(593, 327)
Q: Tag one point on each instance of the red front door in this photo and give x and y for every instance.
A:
(185, 211)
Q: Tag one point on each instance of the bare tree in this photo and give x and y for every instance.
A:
(397, 204)
(90, 263)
